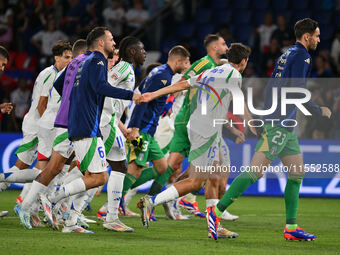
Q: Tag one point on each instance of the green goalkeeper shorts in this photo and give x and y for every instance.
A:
(277, 142)
(180, 141)
(151, 151)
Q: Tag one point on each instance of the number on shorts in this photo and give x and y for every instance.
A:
(212, 151)
(278, 136)
(145, 145)
(101, 152)
(225, 151)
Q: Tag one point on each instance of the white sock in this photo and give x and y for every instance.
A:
(74, 174)
(165, 196)
(103, 208)
(211, 202)
(61, 176)
(129, 195)
(89, 196)
(22, 176)
(74, 187)
(4, 186)
(114, 194)
(190, 198)
(25, 190)
(32, 195)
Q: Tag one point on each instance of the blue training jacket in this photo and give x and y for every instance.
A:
(145, 116)
(87, 97)
(291, 70)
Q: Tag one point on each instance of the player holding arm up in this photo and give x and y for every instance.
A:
(86, 103)
(277, 141)
(207, 146)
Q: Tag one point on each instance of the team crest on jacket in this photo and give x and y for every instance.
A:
(100, 63)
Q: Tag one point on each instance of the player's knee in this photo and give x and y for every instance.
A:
(196, 184)
(118, 166)
(102, 179)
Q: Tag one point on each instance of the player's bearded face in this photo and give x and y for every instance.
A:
(182, 65)
(109, 43)
(222, 47)
(314, 39)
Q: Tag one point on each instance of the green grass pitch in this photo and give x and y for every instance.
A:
(260, 227)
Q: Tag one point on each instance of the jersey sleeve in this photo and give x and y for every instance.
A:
(197, 67)
(119, 73)
(47, 81)
(98, 81)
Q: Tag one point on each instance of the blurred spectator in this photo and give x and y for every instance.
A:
(270, 57)
(154, 5)
(283, 34)
(325, 53)
(114, 18)
(21, 23)
(323, 69)
(136, 16)
(265, 31)
(44, 41)
(227, 35)
(251, 80)
(336, 115)
(186, 43)
(20, 99)
(6, 24)
(72, 16)
(335, 50)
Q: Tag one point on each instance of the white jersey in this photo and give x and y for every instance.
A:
(45, 77)
(122, 76)
(209, 106)
(53, 104)
(179, 99)
(130, 108)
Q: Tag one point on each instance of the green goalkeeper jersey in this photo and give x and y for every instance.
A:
(197, 67)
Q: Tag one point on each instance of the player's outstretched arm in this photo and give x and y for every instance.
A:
(178, 86)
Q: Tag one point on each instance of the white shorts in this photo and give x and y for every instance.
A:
(206, 152)
(90, 153)
(114, 142)
(164, 133)
(61, 143)
(27, 151)
(46, 138)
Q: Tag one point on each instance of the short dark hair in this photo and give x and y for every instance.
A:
(209, 39)
(94, 35)
(125, 44)
(4, 52)
(79, 46)
(304, 26)
(180, 51)
(237, 52)
(59, 47)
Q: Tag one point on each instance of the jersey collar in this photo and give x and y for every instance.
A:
(299, 45)
(210, 58)
(171, 72)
